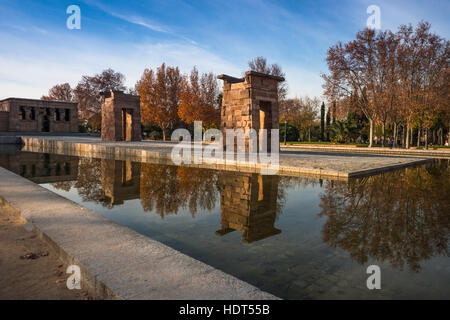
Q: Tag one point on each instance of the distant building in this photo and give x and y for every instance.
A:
(33, 115)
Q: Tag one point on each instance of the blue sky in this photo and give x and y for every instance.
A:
(38, 51)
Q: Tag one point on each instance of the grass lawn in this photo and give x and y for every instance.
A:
(328, 143)
(361, 145)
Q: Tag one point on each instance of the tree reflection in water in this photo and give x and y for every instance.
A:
(167, 189)
(401, 217)
(89, 182)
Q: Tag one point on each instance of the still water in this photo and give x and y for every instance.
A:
(297, 238)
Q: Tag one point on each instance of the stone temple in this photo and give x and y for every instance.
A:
(250, 103)
(33, 115)
(121, 117)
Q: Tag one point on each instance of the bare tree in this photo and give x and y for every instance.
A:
(88, 90)
(259, 64)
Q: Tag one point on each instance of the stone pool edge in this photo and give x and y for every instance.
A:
(117, 262)
(86, 149)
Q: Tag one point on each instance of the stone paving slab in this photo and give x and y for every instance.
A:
(117, 262)
(432, 153)
(291, 162)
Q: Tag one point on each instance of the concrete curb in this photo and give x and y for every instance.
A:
(116, 262)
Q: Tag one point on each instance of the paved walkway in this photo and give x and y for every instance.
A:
(29, 268)
(327, 164)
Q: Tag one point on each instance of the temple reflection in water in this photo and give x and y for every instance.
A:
(41, 168)
(121, 181)
(248, 203)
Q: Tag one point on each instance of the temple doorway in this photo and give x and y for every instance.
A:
(265, 122)
(127, 125)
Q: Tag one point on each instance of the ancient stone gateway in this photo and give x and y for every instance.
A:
(250, 103)
(121, 117)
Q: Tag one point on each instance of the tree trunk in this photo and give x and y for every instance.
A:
(395, 134)
(418, 137)
(163, 133)
(426, 138)
(371, 133)
(404, 136)
(407, 136)
(383, 129)
(448, 131)
(309, 134)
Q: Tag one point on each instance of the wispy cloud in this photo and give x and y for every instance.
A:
(131, 18)
(42, 52)
(143, 22)
(140, 22)
(28, 68)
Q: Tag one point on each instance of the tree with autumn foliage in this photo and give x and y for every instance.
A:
(302, 113)
(160, 96)
(199, 99)
(424, 59)
(395, 79)
(61, 92)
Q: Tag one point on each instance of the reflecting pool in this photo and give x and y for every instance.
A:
(298, 238)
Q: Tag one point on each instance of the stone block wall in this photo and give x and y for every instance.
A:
(4, 121)
(250, 103)
(30, 115)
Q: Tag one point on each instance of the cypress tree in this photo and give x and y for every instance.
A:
(322, 121)
(328, 124)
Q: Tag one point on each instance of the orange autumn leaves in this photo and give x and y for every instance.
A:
(159, 91)
(169, 97)
(199, 99)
